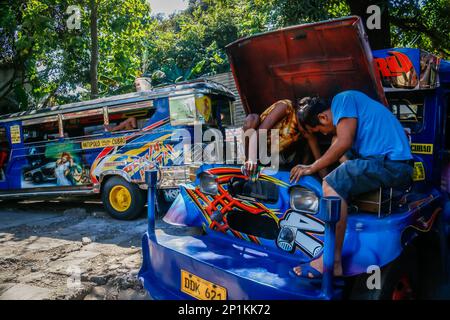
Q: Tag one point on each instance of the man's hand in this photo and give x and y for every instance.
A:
(250, 167)
(298, 171)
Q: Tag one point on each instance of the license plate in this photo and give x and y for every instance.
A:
(200, 288)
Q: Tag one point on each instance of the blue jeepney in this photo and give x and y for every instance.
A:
(81, 149)
(235, 238)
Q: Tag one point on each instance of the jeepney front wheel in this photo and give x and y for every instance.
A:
(399, 280)
(122, 200)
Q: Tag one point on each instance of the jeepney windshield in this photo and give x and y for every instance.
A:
(200, 109)
(408, 107)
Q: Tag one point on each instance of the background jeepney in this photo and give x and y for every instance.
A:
(67, 150)
(255, 232)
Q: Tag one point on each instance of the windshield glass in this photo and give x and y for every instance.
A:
(409, 109)
(182, 110)
(201, 109)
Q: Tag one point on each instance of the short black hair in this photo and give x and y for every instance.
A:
(308, 109)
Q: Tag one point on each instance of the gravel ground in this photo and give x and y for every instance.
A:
(68, 250)
(74, 250)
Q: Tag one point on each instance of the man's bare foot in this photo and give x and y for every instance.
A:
(317, 264)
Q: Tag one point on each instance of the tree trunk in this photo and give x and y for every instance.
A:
(94, 50)
(378, 38)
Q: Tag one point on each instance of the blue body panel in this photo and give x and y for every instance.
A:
(366, 235)
(246, 272)
(259, 269)
(252, 267)
(128, 154)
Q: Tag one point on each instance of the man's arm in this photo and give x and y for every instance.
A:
(345, 134)
(277, 114)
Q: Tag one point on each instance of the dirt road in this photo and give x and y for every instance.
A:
(69, 250)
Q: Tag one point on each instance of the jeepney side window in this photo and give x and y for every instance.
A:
(129, 117)
(226, 111)
(4, 152)
(410, 112)
(220, 110)
(36, 131)
(3, 138)
(81, 126)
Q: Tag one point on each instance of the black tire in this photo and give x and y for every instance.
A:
(38, 177)
(137, 202)
(9, 202)
(431, 265)
(399, 279)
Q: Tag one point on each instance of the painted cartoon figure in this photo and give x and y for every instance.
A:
(79, 175)
(62, 169)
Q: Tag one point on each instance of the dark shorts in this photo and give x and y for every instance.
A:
(362, 175)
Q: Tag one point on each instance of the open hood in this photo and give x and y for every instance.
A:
(322, 59)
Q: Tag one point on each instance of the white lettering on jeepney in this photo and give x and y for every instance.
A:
(303, 225)
(304, 240)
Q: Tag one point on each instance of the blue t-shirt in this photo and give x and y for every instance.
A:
(378, 132)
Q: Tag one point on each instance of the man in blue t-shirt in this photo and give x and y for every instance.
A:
(381, 157)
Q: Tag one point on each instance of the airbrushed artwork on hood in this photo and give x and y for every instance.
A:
(265, 220)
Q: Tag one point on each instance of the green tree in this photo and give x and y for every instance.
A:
(43, 63)
(50, 63)
(418, 23)
(192, 43)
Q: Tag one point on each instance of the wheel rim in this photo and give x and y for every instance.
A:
(120, 198)
(403, 289)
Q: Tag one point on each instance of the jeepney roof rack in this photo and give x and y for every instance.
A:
(187, 87)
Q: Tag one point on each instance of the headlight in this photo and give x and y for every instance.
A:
(304, 200)
(208, 183)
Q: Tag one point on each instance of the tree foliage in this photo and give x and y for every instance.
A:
(43, 63)
(51, 62)
(192, 43)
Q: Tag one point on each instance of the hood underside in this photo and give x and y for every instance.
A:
(322, 59)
